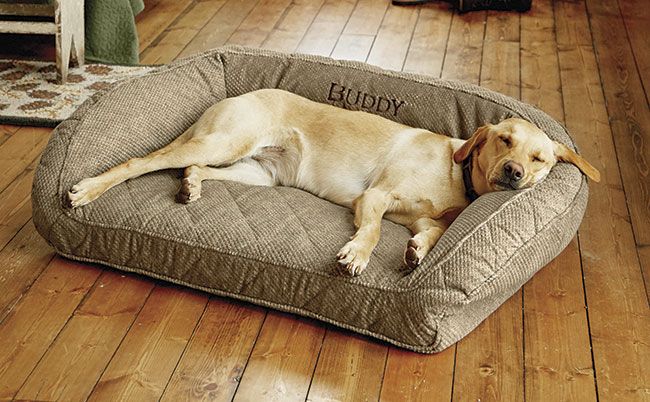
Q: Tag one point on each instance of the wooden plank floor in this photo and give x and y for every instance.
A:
(578, 331)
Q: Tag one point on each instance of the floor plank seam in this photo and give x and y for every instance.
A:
(444, 53)
(383, 374)
(250, 353)
(313, 372)
(591, 344)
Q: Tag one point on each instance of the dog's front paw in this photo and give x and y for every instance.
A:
(353, 258)
(84, 192)
(413, 254)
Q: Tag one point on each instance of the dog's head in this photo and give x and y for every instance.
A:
(515, 154)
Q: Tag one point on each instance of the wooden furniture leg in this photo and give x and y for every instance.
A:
(69, 21)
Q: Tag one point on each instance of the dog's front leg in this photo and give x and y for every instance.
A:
(369, 209)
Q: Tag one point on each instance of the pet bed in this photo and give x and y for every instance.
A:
(276, 246)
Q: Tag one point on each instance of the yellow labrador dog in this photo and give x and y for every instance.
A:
(375, 166)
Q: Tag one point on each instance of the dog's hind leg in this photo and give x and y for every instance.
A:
(245, 171)
(183, 152)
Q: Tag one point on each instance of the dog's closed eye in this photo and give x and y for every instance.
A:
(506, 140)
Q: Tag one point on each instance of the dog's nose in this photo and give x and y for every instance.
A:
(513, 170)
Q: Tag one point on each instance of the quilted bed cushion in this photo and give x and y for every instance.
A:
(276, 246)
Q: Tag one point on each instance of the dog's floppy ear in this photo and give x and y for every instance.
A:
(565, 154)
(479, 136)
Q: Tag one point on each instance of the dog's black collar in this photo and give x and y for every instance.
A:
(467, 179)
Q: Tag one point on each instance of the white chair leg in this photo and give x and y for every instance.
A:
(69, 20)
(75, 11)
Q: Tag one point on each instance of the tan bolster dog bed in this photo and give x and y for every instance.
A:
(276, 246)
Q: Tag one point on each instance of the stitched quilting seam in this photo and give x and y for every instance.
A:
(302, 225)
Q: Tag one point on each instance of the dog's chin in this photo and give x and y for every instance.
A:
(503, 184)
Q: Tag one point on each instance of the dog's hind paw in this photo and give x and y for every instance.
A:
(189, 191)
(352, 259)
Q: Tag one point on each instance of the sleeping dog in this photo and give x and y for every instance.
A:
(375, 166)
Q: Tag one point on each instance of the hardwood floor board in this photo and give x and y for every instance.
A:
(324, 31)
(627, 109)
(540, 73)
(350, 368)
(15, 204)
(216, 355)
(259, 23)
(353, 47)
(410, 376)
(282, 362)
(493, 76)
(146, 358)
(394, 38)
(500, 68)
(21, 261)
(220, 27)
(489, 361)
(289, 31)
(178, 35)
(464, 48)
(156, 17)
(427, 50)
(18, 151)
(617, 306)
(503, 26)
(31, 327)
(554, 309)
(636, 16)
(573, 26)
(366, 17)
(76, 359)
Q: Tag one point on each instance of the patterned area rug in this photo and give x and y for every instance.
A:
(29, 94)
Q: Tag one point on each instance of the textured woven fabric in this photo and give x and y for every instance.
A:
(276, 246)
